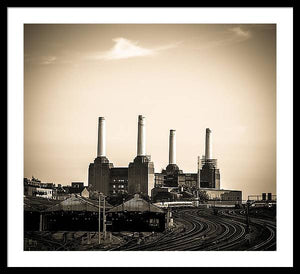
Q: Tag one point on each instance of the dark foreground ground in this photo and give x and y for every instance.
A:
(194, 229)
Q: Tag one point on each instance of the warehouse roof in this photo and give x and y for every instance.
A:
(37, 203)
(136, 204)
(77, 203)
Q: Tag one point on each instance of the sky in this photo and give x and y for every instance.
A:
(179, 76)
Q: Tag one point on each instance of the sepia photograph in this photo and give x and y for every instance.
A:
(150, 137)
(143, 135)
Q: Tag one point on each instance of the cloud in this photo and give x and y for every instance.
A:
(40, 60)
(239, 32)
(228, 37)
(48, 60)
(124, 49)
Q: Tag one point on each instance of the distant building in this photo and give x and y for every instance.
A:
(118, 180)
(75, 188)
(264, 197)
(223, 194)
(138, 177)
(206, 179)
(60, 194)
(209, 174)
(141, 175)
(36, 188)
(136, 214)
(164, 194)
(29, 190)
(43, 192)
(85, 193)
(77, 184)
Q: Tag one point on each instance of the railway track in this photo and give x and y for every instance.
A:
(267, 228)
(45, 238)
(206, 231)
(179, 241)
(196, 230)
(235, 237)
(166, 238)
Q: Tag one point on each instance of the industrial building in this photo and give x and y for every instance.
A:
(78, 212)
(137, 178)
(206, 179)
(136, 214)
(208, 175)
(81, 214)
(33, 206)
(75, 213)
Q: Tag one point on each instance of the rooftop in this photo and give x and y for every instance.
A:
(136, 204)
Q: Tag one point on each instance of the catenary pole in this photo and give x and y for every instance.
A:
(104, 219)
(99, 222)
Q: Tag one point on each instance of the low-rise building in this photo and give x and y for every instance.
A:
(73, 214)
(136, 214)
(77, 184)
(43, 192)
(35, 188)
(223, 196)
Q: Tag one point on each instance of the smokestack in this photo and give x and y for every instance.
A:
(208, 145)
(172, 147)
(141, 142)
(101, 138)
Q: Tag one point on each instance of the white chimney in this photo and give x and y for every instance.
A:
(208, 145)
(172, 147)
(141, 142)
(101, 138)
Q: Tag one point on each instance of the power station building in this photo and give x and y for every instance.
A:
(138, 177)
(141, 170)
(206, 179)
(208, 175)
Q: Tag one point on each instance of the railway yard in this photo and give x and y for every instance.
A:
(194, 229)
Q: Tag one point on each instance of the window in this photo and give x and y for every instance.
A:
(153, 222)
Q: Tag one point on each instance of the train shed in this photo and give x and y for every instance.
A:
(33, 206)
(136, 214)
(76, 213)
(73, 214)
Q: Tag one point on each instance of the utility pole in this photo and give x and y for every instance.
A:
(248, 222)
(168, 217)
(99, 221)
(248, 219)
(104, 219)
(41, 222)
